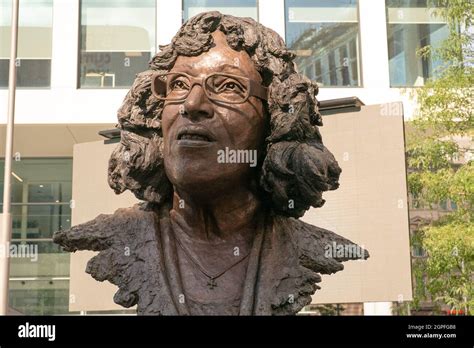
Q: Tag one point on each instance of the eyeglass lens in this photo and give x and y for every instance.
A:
(219, 87)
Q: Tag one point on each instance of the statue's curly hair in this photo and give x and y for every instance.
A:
(296, 167)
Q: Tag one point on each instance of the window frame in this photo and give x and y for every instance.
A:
(20, 59)
(387, 23)
(184, 20)
(359, 47)
(79, 52)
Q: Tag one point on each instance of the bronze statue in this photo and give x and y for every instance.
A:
(220, 140)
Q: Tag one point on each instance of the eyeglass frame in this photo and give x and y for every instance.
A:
(255, 89)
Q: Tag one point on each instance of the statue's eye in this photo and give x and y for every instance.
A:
(230, 86)
(178, 85)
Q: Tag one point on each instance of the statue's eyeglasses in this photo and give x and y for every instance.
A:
(219, 87)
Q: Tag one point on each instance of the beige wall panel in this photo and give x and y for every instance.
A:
(92, 196)
(51, 140)
(370, 207)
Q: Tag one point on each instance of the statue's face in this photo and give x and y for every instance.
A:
(198, 130)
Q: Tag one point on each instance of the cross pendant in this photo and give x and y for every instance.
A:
(211, 283)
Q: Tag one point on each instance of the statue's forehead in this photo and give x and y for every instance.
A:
(220, 57)
(211, 60)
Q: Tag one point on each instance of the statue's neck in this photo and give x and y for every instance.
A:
(224, 217)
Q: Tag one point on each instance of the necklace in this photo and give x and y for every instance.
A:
(211, 283)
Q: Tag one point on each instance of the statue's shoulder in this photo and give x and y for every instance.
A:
(319, 249)
(128, 251)
(294, 254)
(107, 230)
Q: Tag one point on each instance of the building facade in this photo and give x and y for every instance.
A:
(78, 58)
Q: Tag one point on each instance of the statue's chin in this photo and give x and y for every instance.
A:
(206, 186)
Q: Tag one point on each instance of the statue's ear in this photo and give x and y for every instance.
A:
(158, 85)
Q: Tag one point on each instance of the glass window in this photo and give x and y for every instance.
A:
(411, 26)
(117, 41)
(35, 23)
(41, 195)
(239, 8)
(324, 35)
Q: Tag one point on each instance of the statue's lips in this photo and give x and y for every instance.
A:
(195, 136)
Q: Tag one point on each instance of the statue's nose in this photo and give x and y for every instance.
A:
(197, 104)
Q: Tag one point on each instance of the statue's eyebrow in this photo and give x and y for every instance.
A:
(218, 68)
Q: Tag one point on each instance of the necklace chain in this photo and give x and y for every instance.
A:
(212, 278)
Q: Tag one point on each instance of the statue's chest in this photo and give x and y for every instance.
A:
(208, 283)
